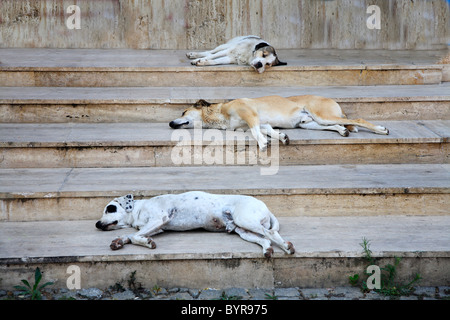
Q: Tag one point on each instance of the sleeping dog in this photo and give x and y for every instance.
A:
(262, 114)
(245, 215)
(246, 50)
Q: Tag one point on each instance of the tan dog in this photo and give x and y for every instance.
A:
(262, 114)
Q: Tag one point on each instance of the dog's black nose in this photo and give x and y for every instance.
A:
(175, 125)
(99, 225)
(258, 65)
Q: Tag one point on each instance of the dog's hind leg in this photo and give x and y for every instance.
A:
(343, 131)
(275, 237)
(267, 228)
(351, 124)
(255, 238)
(228, 219)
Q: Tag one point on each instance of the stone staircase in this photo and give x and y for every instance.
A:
(79, 127)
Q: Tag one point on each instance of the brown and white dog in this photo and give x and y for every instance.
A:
(262, 114)
(249, 50)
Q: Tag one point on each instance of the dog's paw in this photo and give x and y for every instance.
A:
(199, 62)
(116, 244)
(191, 55)
(268, 253)
(382, 130)
(284, 138)
(151, 244)
(344, 133)
(290, 247)
(196, 62)
(263, 144)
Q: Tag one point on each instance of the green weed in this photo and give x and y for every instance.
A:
(35, 290)
(388, 284)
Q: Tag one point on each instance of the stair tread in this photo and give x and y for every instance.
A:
(401, 236)
(26, 58)
(159, 134)
(251, 180)
(142, 95)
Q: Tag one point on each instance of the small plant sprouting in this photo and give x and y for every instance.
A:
(353, 279)
(270, 297)
(227, 297)
(387, 278)
(156, 289)
(35, 290)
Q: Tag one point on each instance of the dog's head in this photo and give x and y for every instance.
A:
(115, 214)
(189, 116)
(265, 56)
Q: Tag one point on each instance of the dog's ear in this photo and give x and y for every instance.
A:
(261, 45)
(201, 103)
(279, 63)
(126, 202)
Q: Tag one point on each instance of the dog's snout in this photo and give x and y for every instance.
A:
(258, 65)
(175, 125)
(105, 227)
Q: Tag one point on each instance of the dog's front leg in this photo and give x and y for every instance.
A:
(262, 141)
(269, 131)
(211, 61)
(143, 237)
(118, 243)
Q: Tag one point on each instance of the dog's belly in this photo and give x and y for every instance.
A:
(279, 122)
(197, 210)
(207, 221)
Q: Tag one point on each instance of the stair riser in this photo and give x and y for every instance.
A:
(165, 112)
(303, 272)
(165, 156)
(217, 78)
(353, 203)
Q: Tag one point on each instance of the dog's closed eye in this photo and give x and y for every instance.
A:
(111, 209)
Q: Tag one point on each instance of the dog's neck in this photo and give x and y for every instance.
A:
(214, 118)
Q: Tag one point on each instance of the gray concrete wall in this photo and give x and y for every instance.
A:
(198, 24)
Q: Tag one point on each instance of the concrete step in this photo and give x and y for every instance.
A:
(328, 251)
(157, 104)
(307, 190)
(168, 68)
(97, 145)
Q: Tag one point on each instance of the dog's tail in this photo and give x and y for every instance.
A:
(274, 225)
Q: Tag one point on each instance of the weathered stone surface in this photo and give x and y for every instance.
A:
(205, 24)
(327, 251)
(162, 68)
